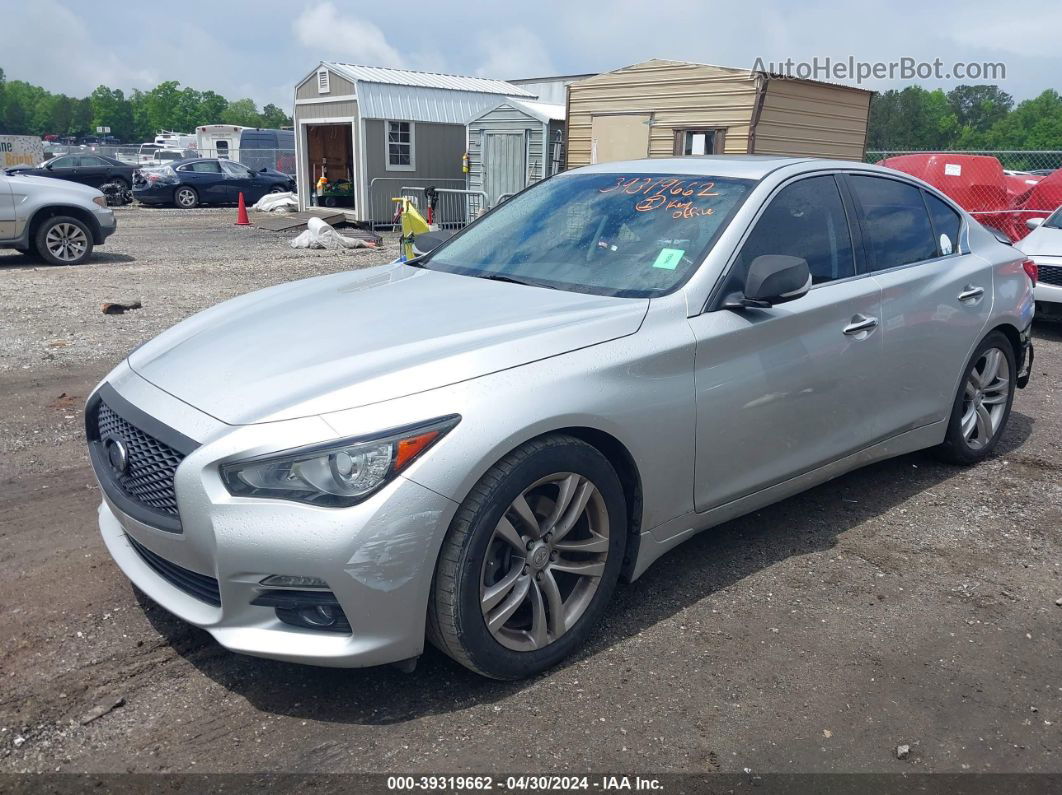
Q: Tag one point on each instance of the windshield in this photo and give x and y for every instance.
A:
(610, 234)
(1054, 221)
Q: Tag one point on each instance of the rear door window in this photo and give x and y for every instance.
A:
(946, 225)
(205, 167)
(896, 224)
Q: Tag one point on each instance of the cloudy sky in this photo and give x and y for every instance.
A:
(259, 49)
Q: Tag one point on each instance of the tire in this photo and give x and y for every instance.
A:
(278, 189)
(479, 573)
(121, 182)
(62, 240)
(980, 411)
(185, 197)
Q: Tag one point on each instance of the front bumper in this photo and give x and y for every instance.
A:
(377, 558)
(108, 223)
(1048, 301)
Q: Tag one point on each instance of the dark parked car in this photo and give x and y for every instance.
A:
(88, 169)
(189, 183)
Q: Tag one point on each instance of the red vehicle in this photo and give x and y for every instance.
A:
(980, 186)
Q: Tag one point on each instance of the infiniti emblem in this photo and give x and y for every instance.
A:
(117, 455)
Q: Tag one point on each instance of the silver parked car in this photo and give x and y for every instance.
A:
(475, 446)
(1043, 245)
(57, 220)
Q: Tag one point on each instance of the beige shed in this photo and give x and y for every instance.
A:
(665, 108)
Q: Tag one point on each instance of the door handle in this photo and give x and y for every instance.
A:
(859, 324)
(969, 293)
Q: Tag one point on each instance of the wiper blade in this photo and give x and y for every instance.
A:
(501, 277)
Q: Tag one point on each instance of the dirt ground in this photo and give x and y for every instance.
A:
(908, 603)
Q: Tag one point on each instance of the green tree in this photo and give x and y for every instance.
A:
(242, 112)
(979, 107)
(111, 109)
(911, 119)
(1033, 124)
(162, 106)
(211, 108)
(274, 118)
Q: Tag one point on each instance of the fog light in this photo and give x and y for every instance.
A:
(308, 609)
(320, 615)
(289, 581)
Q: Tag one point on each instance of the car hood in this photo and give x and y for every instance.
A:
(350, 339)
(1042, 241)
(56, 184)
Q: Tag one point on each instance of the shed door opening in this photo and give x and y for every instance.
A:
(619, 137)
(330, 154)
(504, 164)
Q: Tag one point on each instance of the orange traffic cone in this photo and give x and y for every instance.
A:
(241, 214)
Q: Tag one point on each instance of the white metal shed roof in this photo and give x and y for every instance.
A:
(407, 77)
(403, 94)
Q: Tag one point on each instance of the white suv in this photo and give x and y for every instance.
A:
(61, 221)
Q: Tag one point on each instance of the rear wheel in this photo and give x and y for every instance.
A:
(982, 406)
(63, 240)
(531, 559)
(185, 197)
(121, 182)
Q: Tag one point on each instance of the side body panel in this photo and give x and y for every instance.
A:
(783, 390)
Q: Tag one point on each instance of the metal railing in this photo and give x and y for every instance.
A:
(282, 160)
(380, 210)
(1002, 189)
(452, 208)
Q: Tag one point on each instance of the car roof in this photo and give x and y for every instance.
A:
(734, 166)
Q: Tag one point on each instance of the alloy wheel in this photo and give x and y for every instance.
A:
(984, 404)
(66, 242)
(544, 561)
(185, 197)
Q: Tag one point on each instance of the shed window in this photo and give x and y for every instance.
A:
(693, 142)
(400, 156)
(322, 81)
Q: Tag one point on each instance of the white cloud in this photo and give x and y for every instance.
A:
(1019, 33)
(512, 53)
(70, 61)
(323, 29)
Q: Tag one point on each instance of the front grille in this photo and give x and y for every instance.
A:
(1049, 274)
(202, 587)
(148, 477)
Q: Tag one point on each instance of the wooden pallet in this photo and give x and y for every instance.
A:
(285, 222)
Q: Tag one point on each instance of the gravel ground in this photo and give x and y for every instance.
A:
(175, 262)
(909, 603)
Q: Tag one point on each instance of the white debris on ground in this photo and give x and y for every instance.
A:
(277, 203)
(319, 234)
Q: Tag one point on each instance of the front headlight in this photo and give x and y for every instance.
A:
(100, 200)
(335, 474)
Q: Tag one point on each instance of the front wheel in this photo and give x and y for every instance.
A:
(63, 240)
(185, 197)
(531, 559)
(982, 405)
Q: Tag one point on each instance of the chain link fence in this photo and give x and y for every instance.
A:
(282, 160)
(1001, 189)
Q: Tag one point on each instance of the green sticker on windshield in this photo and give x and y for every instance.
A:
(669, 258)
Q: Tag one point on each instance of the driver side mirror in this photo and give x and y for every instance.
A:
(1032, 223)
(773, 279)
(262, 170)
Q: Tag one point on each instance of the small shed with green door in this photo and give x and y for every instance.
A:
(514, 144)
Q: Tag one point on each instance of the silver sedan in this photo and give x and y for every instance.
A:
(475, 447)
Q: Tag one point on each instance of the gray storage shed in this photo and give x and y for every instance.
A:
(377, 129)
(513, 145)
